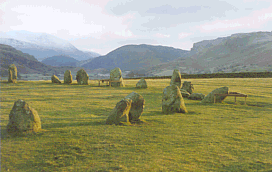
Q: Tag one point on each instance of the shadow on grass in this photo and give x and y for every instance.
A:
(5, 134)
(74, 124)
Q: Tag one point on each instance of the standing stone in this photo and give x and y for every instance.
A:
(187, 86)
(68, 79)
(176, 78)
(55, 79)
(120, 113)
(82, 77)
(23, 118)
(210, 97)
(137, 107)
(184, 93)
(12, 71)
(116, 75)
(172, 100)
(141, 83)
(196, 96)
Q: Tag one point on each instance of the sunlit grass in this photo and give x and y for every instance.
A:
(210, 137)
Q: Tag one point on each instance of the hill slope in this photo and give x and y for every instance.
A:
(130, 57)
(235, 53)
(61, 60)
(24, 62)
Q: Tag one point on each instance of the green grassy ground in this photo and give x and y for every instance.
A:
(211, 137)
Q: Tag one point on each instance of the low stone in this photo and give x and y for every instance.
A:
(116, 75)
(12, 74)
(120, 113)
(82, 77)
(172, 101)
(176, 78)
(137, 107)
(184, 93)
(68, 79)
(141, 83)
(187, 86)
(196, 96)
(210, 97)
(55, 79)
(23, 118)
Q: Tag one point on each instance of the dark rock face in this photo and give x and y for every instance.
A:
(23, 118)
(68, 79)
(196, 96)
(141, 83)
(116, 75)
(137, 107)
(176, 78)
(187, 86)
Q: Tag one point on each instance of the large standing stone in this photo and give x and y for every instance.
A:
(172, 100)
(12, 74)
(23, 118)
(137, 107)
(187, 86)
(141, 83)
(68, 79)
(120, 113)
(184, 93)
(196, 96)
(116, 75)
(82, 77)
(176, 78)
(55, 79)
(210, 97)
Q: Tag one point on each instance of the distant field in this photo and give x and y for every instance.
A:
(211, 137)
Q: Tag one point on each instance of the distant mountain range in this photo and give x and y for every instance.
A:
(240, 52)
(131, 57)
(42, 45)
(25, 63)
(61, 60)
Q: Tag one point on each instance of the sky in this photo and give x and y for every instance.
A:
(104, 25)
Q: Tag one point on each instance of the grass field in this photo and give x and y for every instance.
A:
(211, 137)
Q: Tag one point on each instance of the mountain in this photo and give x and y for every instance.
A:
(131, 57)
(239, 52)
(25, 63)
(61, 60)
(42, 45)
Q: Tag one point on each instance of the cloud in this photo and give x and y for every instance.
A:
(159, 35)
(183, 35)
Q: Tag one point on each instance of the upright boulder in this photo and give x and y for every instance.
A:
(82, 77)
(68, 79)
(176, 78)
(137, 107)
(196, 96)
(23, 118)
(210, 97)
(184, 93)
(120, 114)
(55, 79)
(141, 83)
(116, 75)
(12, 74)
(172, 101)
(187, 86)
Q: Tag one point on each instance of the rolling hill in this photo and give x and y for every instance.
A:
(61, 60)
(25, 63)
(131, 57)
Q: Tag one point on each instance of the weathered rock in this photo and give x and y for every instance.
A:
(12, 74)
(196, 96)
(187, 86)
(68, 79)
(141, 83)
(120, 113)
(116, 75)
(137, 106)
(184, 93)
(23, 118)
(82, 77)
(210, 97)
(55, 79)
(172, 100)
(176, 78)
